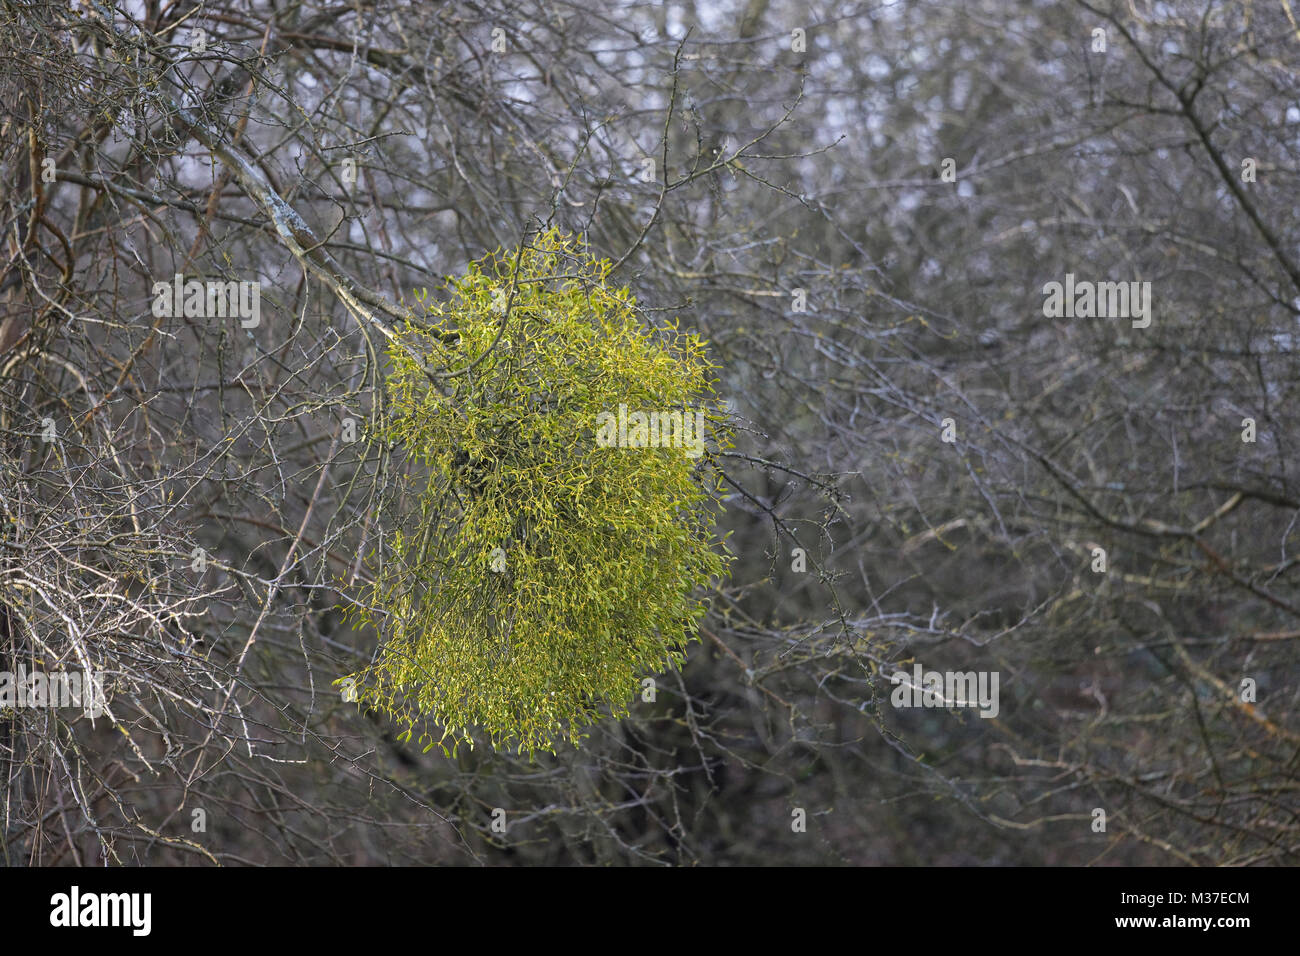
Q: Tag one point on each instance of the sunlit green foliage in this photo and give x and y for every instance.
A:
(603, 551)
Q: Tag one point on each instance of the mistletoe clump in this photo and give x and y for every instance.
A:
(541, 570)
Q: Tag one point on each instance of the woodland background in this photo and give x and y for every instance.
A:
(774, 169)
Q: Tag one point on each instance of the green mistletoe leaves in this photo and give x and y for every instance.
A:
(539, 573)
